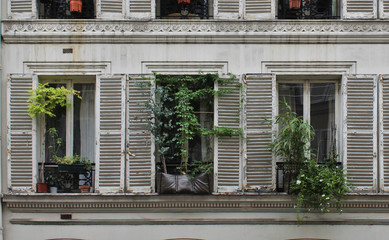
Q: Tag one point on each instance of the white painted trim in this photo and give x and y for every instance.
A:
(382, 14)
(24, 15)
(97, 135)
(184, 67)
(67, 67)
(216, 142)
(359, 15)
(110, 16)
(309, 67)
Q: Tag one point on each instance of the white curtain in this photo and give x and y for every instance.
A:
(87, 121)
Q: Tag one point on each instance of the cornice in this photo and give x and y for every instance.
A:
(208, 31)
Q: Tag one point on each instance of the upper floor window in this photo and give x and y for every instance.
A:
(308, 9)
(183, 9)
(66, 9)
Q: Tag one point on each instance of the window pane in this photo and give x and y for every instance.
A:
(323, 118)
(293, 95)
(55, 145)
(84, 121)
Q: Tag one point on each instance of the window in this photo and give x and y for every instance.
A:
(183, 9)
(315, 101)
(66, 9)
(308, 9)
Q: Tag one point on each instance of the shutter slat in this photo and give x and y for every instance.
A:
(227, 9)
(259, 9)
(260, 94)
(360, 131)
(110, 144)
(140, 164)
(360, 9)
(109, 9)
(383, 9)
(228, 150)
(384, 133)
(20, 138)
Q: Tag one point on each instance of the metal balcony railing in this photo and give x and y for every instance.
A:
(184, 9)
(307, 9)
(60, 9)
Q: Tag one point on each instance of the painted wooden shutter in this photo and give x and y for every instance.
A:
(227, 9)
(259, 9)
(108, 9)
(360, 130)
(228, 167)
(140, 147)
(141, 9)
(110, 133)
(383, 9)
(360, 9)
(21, 136)
(21, 9)
(260, 106)
(384, 132)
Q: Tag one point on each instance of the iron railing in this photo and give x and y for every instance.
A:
(60, 9)
(307, 9)
(189, 9)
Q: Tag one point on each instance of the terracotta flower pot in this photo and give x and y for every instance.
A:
(294, 4)
(84, 188)
(42, 187)
(75, 5)
(183, 1)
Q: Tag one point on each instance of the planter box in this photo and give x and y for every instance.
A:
(176, 184)
(72, 168)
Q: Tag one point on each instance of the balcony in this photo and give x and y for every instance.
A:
(183, 9)
(64, 9)
(308, 9)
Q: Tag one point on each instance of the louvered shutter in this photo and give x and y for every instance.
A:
(21, 9)
(141, 9)
(140, 148)
(109, 9)
(110, 133)
(227, 9)
(259, 9)
(383, 9)
(360, 9)
(360, 130)
(21, 139)
(384, 132)
(260, 107)
(228, 167)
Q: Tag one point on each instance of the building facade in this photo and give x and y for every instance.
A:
(326, 58)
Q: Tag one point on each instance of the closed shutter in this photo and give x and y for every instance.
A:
(228, 167)
(21, 139)
(360, 130)
(360, 9)
(140, 148)
(110, 133)
(18, 9)
(227, 9)
(384, 132)
(141, 9)
(108, 9)
(384, 9)
(260, 108)
(259, 9)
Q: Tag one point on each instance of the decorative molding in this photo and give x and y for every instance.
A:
(195, 31)
(184, 67)
(62, 68)
(310, 67)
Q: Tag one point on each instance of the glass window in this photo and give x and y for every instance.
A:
(66, 9)
(183, 9)
(308, 9)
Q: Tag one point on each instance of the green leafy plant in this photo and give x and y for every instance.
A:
(45, 99)
(56, 144)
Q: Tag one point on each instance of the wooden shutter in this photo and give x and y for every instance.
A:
(383, 9)
(360, 9)
(21, 9)
(227, 160)
(360, 130)
(227, 9)
(260, 107)
(21, 138)
(141, 9)
(110, 133)
(384, 132)
(108, 9)
(140, 147)
(259, 9)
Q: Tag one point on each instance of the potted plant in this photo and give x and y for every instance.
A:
(52, 180)
(43, 101)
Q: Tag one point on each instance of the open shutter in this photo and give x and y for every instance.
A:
(227, 9)
(384, 132)
(259, 9)
(141, 9)
(228, 167)
(21, 9)
(260, 106)
(110, 133)
(360, 9)
(384, 9)
(110, 9)
(140, 148)
(21, 140)
(360, 130)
